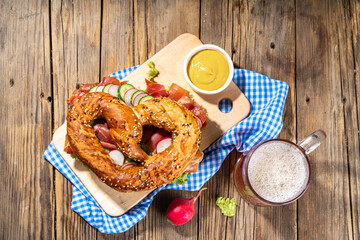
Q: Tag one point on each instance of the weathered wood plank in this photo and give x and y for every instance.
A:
(324, 210)
(117, 36)
(264, 41)
(140, 32)
(117, 52)
(75, 27)
(26, 201)
(352, 112)
(157, 23)
(216, 28)
(240, 226)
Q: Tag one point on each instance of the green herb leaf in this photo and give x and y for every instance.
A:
(206, 111)
(92, 122)
(146, 149)
(227, 206)
(182, 179)
(153, 72)
(191, 96)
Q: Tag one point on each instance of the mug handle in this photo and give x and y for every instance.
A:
(310, 143)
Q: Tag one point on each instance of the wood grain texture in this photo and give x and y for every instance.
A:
(324, 210)
(26, 201)
(352, 109)
(117, 36)
(215, 28)
(117, 52)
(163, 21)
(242, 225)
(75, 31)
(264, 41)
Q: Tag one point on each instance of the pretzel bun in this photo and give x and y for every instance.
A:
(125, 124)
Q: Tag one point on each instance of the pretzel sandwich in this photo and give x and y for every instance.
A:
(125, 124)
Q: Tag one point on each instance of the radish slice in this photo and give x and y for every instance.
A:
(199, 122)
(163, 144)
(156, 137)
(99, 89)
(128, 165)
(113, 90)
(137, 98)
(117, 156)
(107, 87)
(128, 94)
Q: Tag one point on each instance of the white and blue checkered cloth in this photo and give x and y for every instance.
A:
(267, 98)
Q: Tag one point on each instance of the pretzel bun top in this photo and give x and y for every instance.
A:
(125, 124)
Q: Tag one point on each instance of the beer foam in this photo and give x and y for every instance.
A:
(278, 171)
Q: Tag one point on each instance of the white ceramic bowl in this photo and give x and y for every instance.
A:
(212, 47)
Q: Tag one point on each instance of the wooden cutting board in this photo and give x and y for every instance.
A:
(169, 61)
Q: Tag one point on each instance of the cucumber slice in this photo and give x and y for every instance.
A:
(93, 88)
(123, 88)
(135, 94)
(129, 161)
(106, 88)
(99, 89)
(128, 94)
(113, 90)
(143, 99)
(138, 97)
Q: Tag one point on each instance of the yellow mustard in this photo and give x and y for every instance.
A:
(208, 70)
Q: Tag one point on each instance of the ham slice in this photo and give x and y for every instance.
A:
(107, 80)
(199, 112)
(86, 87)
(68, 149)
(186, 102)
(102, 133)
(176, 92)
(155, 89)
(156, 137)
(193, 167)
(108, 145)
(194, 164)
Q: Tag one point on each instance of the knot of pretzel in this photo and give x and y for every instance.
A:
(126, 124)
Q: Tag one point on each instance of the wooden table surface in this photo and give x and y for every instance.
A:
(48, 47)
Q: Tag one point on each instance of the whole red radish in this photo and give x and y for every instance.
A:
(181, 210)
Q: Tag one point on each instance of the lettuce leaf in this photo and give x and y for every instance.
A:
(146, 149)
(227, 206)
(182, 179)
(153, 72)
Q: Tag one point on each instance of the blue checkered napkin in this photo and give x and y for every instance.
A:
(267, 98)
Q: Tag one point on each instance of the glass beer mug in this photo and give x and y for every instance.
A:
(276, 172)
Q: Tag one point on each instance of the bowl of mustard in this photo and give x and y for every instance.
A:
(208, 69)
